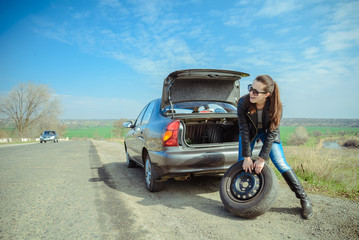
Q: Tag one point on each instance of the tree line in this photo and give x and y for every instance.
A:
(32, 108)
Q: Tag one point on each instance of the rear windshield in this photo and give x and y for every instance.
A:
(201, 107)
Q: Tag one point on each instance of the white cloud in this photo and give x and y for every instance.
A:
(247, 12)
(343, 30)
(151, 11)
(82, 15)
(112, 10)
(315, 46)
(273, 8)
(110, 3)
(341, 40)
(311, 52)
(151, 38)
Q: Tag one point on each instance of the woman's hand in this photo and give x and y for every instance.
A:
(259, 165)
(247, 164)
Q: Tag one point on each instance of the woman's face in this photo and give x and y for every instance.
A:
(261, 98)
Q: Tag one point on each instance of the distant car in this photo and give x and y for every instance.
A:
(192, 130)
(49, 136)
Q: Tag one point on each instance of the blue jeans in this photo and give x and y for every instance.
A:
(276, 154)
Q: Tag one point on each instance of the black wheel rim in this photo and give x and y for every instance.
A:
(245, 186)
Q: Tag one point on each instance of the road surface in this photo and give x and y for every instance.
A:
(83, 190)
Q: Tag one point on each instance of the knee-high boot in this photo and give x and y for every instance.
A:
(294, 184)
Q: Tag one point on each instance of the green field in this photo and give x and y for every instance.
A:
(93, 132)
(286, 132)
(89, 132)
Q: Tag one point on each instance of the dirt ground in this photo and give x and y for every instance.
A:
(193, 209)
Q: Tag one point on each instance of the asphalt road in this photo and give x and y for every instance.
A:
(83, 190)
(51, 191)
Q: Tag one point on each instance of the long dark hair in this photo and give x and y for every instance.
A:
(275, 107)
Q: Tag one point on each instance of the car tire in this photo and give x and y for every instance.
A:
(248, 195)
(151, 177)
(129, 162)
(40, 141)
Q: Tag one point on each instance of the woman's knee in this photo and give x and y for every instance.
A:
(278, 158)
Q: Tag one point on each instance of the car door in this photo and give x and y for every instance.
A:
(139, 136)
(132, 135)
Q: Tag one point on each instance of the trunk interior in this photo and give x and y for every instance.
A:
(211, 131)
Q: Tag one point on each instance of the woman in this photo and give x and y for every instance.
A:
(259, 114)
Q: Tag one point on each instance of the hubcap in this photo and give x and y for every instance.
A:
(245, 186)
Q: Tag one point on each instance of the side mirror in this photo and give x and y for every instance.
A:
(128, 124)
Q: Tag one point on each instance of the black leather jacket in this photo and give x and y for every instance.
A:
(248, 128)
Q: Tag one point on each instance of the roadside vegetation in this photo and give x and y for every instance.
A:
(332, 172)
(28, 110)
(109, 130)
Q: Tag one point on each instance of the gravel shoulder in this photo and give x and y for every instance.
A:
(193, 209)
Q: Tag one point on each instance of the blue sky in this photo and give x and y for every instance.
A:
(106, 59)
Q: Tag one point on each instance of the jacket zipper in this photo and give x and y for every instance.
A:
(253, 125)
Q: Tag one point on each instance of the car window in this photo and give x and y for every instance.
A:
(50, 132)
(148, 113)
(139, 118)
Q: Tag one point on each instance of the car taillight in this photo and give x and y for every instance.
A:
(170, 136)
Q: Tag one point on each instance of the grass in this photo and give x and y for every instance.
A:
(334, 172)
(94, 132)
(89, 132)
(286, 132)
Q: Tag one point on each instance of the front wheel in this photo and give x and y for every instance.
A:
(248, 195)
(151, 177)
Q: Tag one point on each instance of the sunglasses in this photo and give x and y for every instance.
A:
(254, 91)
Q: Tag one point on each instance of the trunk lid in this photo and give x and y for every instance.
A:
(201, 85)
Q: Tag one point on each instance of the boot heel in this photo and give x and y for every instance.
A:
(307, 210)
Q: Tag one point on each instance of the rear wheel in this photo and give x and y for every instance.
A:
(248, 195)
(151, 177)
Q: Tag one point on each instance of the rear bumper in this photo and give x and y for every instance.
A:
(178, 161)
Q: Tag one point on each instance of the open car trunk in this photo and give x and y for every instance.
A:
(201, 85)
(214, 131)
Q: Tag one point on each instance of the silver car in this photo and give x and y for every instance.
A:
(49, 136)
(192, 130)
